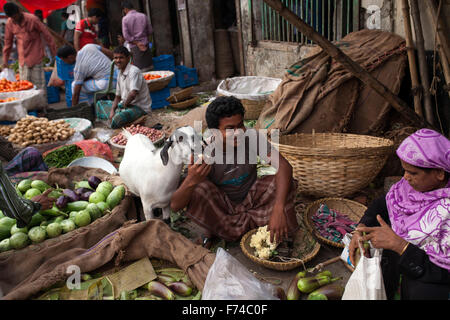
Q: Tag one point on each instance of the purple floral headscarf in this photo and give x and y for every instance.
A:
(423, 218)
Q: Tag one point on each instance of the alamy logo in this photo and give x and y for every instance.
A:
(74, 13)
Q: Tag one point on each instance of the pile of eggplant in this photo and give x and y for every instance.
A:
(320, 286)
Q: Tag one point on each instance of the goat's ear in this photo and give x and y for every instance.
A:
(165, 151)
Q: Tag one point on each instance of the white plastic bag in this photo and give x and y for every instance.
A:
(228, 279)
(366, 282)
(8, 74)
(249, 88)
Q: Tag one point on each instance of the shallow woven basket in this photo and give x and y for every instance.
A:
(185, 104)
(334, 164)
(181, 95)
(280, 266)
(352, 209)
(160, 83)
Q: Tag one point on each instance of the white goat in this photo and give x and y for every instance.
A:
(154, 174)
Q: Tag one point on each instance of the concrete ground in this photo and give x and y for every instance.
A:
(188, 228)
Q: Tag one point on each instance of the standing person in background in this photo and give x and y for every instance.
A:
(137, 30)
(85, 31)
(66, 32)
(27, 29)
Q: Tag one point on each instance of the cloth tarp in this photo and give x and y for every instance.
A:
(47, 6)
(318, 93)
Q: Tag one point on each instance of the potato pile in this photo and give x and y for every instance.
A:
(32, 130)
(5, 130)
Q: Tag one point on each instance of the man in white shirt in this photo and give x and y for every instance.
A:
(132, 99)
(91, 73)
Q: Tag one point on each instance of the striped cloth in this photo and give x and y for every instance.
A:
(28, 160)
(35, 75)
(212, 210)
(331, 224)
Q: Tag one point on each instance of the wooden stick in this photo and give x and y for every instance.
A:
(444, 57)
(442, 28)
(350, 65)
(423, 67)
(412, 59)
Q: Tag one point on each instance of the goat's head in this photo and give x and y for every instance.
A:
(183, 142)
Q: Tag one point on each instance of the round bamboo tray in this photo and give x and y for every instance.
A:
(280, 266)
(185, 104)
(160, 83)
(334, 164)
(352, 209)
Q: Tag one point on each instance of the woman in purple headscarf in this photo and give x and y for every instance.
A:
(412, 223)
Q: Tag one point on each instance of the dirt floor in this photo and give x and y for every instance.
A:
(182, 224)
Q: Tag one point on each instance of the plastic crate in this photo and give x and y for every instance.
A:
(159, 98)
(65, 71)
(68, 85)
(186, 77)
(165, 62)
(52, 92)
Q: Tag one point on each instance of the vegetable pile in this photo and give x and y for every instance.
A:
(151, 133)
(5, 130)
(170, 284)
(320, 286)
(149, 76)
(8, 100)
(10, 86)
(32, 130)
(72, 209)
(63, 156)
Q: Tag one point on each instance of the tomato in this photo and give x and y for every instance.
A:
(8, 86)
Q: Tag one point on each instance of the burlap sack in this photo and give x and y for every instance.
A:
(153, 239)
(17, 265)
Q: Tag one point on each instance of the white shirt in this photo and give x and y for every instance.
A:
(91, 63)
(132, 79)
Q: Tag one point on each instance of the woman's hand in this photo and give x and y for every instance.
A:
(383, 237)
(354, 245)
(278, 224)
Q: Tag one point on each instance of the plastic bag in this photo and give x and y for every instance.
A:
(366, 282)
(228, 279)
(8, 74)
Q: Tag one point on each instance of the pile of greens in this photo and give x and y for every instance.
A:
(62, 157)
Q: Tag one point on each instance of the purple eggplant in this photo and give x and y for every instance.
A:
(180, 288)
(71, 195)
(94, 182)
(80, 191)
(85, 196)
(62, 202)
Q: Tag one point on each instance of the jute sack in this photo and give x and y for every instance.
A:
(18, 265)
(134, 241)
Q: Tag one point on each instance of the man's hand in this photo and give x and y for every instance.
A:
(354, 244)
(44, 200)
(278, 224)
(197, 172)
(383, 236)
(5, 66)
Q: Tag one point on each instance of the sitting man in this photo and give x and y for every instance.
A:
(225, 197)
(91, 73)
(132, 99)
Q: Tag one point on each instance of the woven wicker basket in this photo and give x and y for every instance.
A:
(281, 266)
(334, 164)
(181, 95)
(352, 209)
(252, 108)
(185, 104)
(160, 83)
